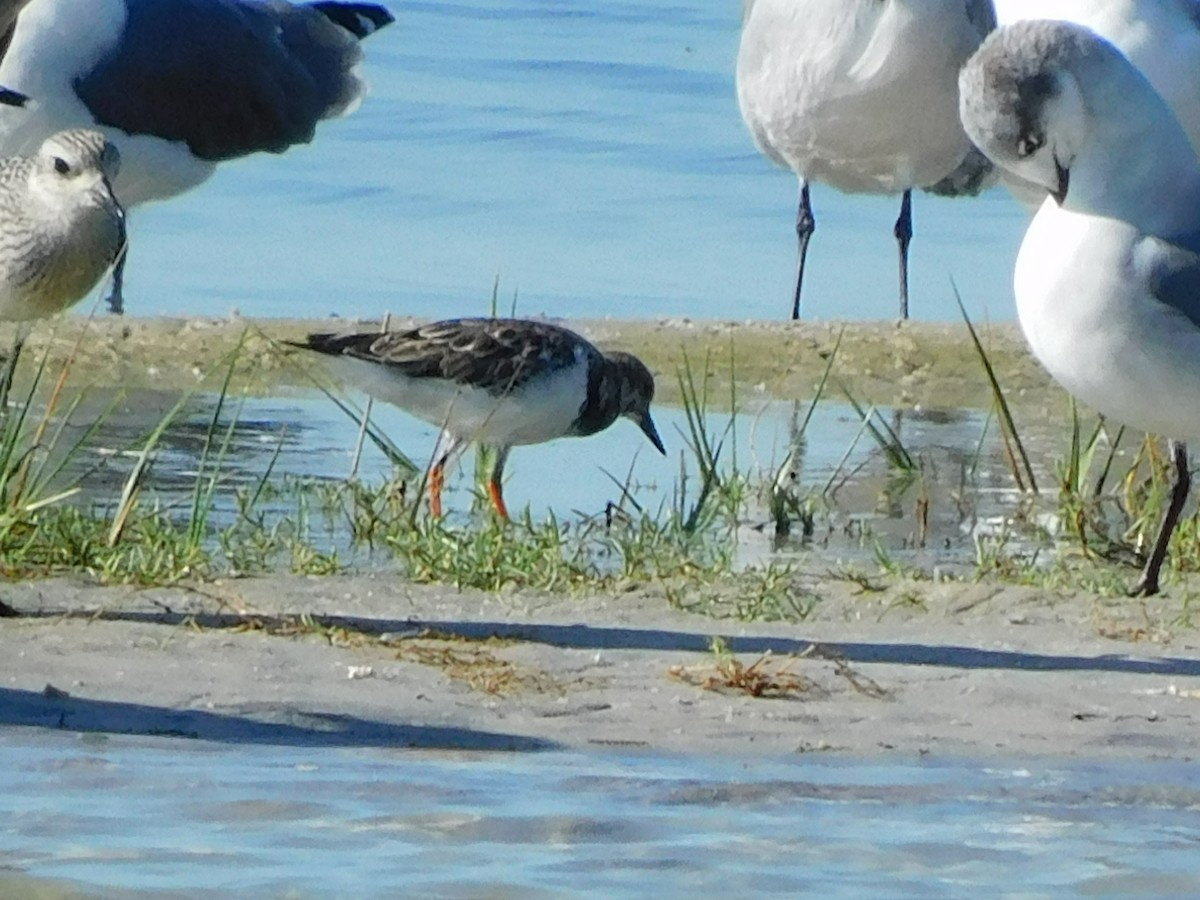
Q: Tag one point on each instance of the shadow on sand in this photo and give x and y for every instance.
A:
(270, 725)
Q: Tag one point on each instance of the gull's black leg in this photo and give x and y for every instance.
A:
(116, 297)
(1148, 583)
(805, 226)
(904, 232)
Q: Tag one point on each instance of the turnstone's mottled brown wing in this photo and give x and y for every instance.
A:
(496, 355)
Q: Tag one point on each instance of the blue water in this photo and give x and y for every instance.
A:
(163, 817)
(590, 156)
(304, 436)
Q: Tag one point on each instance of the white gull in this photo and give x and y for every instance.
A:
(861, 95)
(1107, 280)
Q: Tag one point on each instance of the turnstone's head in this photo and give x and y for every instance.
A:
(636, 386)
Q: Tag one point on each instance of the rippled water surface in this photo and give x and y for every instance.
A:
(156, 817)
(591, 156)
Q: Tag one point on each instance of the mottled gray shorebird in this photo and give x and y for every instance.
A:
(180, 85)
(503, 382)
(61, 229)
(862, 95)
(1107, 280)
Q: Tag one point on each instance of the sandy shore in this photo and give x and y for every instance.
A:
(927, 364)
(979, 670)
(912, 669)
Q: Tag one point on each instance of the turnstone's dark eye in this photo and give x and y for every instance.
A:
(1029, 144)
(61, 166)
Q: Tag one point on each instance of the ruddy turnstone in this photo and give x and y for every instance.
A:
(862, 95)
(1107, 281)
(498, 381)
(180, 85)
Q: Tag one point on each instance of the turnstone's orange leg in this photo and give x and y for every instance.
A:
(437, 480)
(495, 486)
(497, 498)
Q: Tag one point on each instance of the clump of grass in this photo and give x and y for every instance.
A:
(1018, 459)
(495, 555)
(766, 677)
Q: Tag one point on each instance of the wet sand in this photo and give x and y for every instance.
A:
(977, 670)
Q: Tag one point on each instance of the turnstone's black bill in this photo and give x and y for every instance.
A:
(500, 381)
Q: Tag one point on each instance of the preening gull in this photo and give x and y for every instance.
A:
(1107, 280)
(861, 95)
(1160, 37)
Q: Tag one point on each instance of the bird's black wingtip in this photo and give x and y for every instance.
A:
(360, 19)
(326, 342)
(9, 97)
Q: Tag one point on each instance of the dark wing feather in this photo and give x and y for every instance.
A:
(1173, 273)
(982, 14)
(227, 77)
(496, 355)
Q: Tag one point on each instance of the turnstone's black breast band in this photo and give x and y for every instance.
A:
(603, 403)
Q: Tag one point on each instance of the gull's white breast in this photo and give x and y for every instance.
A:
(862, 96)
(1091, 320)
(55, 41)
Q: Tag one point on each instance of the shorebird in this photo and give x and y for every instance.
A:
(61, 228)
(1160, 37)
(503, 382)
(861, 95)
(1107, 280)
(180, 85)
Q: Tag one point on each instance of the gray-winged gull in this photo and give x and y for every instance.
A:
(180, 85)
(861, 95)
(1160, 37)
(1107, 280)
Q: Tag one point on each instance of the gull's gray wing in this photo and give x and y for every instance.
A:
(1172, 272)
(982, 14)
(229, 77)
(974, 175)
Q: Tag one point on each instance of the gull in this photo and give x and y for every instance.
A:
(861, 95)
(180, 85)
(1160, 37)
(61, 227)
(504, 382)
(1107, 280)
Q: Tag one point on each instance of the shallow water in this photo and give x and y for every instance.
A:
(161, 817)
(593, 159)
(860, 497)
